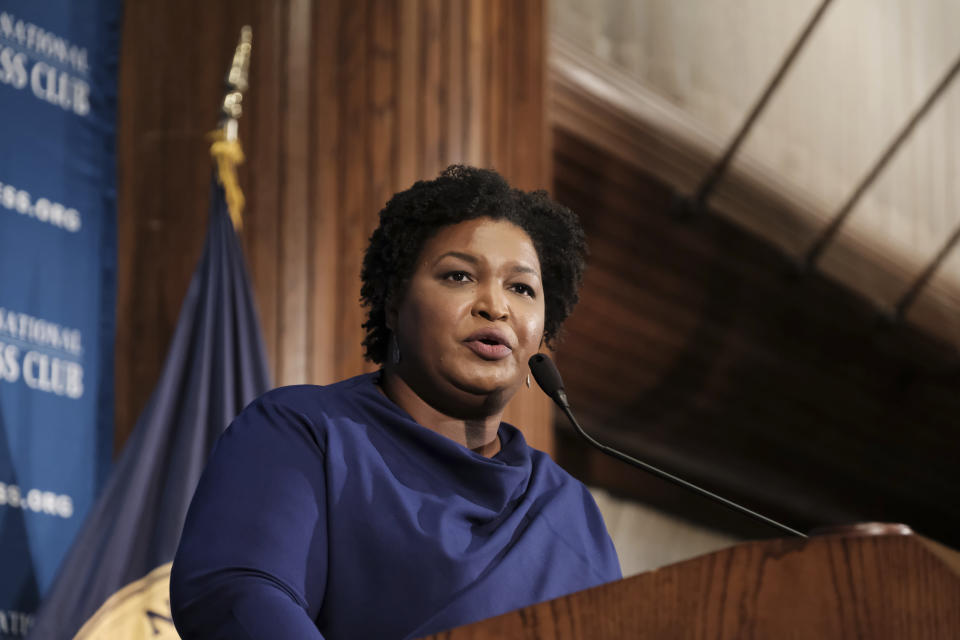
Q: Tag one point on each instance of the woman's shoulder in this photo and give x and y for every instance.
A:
(573, 515)
(306, 408)
(311, 396)
(544, 470)
(558, 476)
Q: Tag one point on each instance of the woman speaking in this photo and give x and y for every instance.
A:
(397, 504)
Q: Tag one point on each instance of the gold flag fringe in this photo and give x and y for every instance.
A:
(227, 154)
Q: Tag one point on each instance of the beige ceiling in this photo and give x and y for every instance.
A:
(668, 83)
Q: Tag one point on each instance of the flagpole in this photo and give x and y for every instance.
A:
(226, 150)
(237, 84)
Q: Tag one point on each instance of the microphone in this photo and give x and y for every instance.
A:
(547, 376)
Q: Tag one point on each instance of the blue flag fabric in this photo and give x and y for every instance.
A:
(216, 366)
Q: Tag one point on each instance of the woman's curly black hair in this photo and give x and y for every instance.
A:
(459, 194)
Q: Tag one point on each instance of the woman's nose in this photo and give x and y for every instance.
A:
(490, 303)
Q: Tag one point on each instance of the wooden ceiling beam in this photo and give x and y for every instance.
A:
(592, 100)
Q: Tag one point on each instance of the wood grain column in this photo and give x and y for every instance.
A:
(350, 101)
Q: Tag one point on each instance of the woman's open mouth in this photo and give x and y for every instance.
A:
(489, 345)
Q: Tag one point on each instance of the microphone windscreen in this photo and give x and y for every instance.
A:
(546, 374)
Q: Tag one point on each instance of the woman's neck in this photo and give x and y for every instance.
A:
(478, 435)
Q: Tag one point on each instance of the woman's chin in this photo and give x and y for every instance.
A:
(486, 383)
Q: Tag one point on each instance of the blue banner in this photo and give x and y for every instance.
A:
(58, 77)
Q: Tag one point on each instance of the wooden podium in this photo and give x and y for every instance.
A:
(843, 585)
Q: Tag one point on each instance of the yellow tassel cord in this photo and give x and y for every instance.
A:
(228, 154)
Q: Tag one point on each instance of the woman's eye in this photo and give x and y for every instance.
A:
(457, 276)
(524, 289)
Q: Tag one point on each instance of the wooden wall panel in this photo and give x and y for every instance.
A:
(324, 228)
(354, 211)
(696, 348)
(260, 176)
(295, 119)
(349, 103)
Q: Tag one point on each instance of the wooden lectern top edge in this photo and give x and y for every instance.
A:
(892, 584)
(864, 529)
(950, 557)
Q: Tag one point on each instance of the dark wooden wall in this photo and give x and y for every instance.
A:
(696, 347)
(350, 101)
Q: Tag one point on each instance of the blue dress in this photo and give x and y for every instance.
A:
(328, 512)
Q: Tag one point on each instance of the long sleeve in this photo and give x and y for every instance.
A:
(252, 561)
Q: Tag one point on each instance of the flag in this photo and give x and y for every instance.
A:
(114, 583)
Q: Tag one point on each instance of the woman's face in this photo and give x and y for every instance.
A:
(471, 317)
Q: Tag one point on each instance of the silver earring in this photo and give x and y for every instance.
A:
(394, 349)
(528, 381)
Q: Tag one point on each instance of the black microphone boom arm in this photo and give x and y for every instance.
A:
(546, 374)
